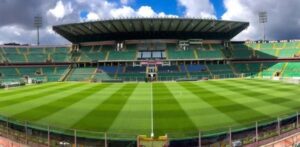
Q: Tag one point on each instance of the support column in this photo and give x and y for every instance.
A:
(7, 129)
(256, 132)
(48, 136)
(278, 126)
(26, 137)
(297, 122)
(75, 138)
(105, 137)
(230, 137)
(199, 139)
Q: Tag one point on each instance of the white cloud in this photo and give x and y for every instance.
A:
(18, 34)
(91, 16)
(61, 10)
(124, 11)
(145, 11)
(198, 8)
(282, 22)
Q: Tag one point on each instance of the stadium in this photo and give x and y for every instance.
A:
(150, 82)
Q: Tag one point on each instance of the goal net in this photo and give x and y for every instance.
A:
(144, 141)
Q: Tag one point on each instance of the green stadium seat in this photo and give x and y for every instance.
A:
(266, 53)
(220, 69)
(81, 74)
(10, 50)
(181, 54)
(15, 58)
(288, 53)
(241, 51)
(36, 50)
(60, 57)
(122, 55)
(210, 54)
(62, 50)
(292, 70)
(37, 57)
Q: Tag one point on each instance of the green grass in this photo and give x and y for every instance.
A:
(124, 110)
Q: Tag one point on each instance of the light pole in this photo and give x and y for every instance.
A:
(38, 23)
(263, 19)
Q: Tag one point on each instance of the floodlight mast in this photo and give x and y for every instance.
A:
(38, 23)
(263, 19)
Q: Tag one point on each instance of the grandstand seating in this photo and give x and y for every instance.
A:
(37, 57)
(288, 53)
(53, 73)
(220, 69)
(195, 68)
(122, 55)
(36, 50)
(241, 51)
(210, 54)
(135, 69)
(266, 53)
(15, 58)
(247, 51)
(9, 74)
(167, 69)
(88, 57)
(181, 54)
(81, 74)
(269, 69)
(242, 67)
(60, 57)
(292, 70)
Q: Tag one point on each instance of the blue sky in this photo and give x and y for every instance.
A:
(166, 6)
(172, 7)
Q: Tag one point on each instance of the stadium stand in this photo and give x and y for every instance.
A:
(122, 55)
(241, 51)
(292, 69)
(210, 54)
(181, 54)
(81, 74)
(9, 74)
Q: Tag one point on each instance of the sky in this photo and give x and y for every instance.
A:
(17, 16)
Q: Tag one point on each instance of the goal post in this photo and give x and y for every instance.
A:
(144, 141)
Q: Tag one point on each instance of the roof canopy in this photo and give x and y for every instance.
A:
(150, 28)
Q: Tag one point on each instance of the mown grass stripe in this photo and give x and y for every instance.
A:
(277, 86)
(11, 110)
(224, 104)
(9, 102)
(20, 90)
(81, 108)
(55, 106)
(199, 111)
(263, 96)
(107, 111)
(138, 109)
(168, 111)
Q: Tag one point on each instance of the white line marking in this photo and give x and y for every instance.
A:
(152, 127)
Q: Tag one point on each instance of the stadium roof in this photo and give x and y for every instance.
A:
(150, 28)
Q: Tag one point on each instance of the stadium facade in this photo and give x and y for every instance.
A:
(150, 49)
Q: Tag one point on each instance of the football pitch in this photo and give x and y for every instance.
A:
(179, 109)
